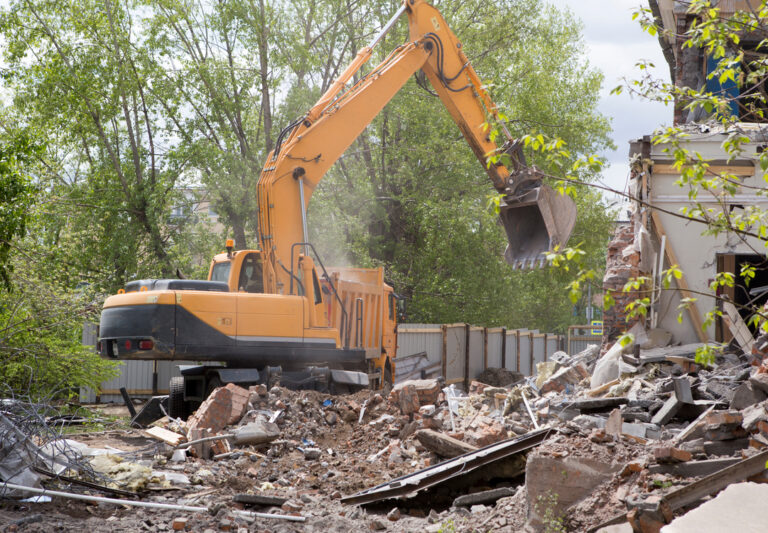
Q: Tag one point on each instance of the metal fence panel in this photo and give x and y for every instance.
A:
(136, 377)
(526, 353)
(476, 355)
(511, 341)
(539, 350)
(410, 341)
(494, 349)
(454, 361)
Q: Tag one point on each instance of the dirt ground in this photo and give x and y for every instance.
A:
(348, 464)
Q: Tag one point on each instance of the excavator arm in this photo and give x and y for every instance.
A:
(533, 215)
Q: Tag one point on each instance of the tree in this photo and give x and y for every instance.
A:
(141, 99)
(410, 195)
(17, 195)
(82, 74)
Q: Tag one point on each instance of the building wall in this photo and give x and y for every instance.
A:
(660, 199)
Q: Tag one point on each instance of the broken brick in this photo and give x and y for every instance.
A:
(224, 406)
(670, 454)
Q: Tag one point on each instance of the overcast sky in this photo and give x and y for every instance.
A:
(614, 44)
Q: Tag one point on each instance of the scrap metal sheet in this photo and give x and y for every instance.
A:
(408, 485)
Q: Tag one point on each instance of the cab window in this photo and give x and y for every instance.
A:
(318, 291)
(221, 271)
(251, 275)
(391, 306)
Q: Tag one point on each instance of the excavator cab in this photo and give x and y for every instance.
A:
(536, 221)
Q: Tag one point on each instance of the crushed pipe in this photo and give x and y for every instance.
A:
(151, 505)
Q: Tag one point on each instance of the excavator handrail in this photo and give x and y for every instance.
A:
(343, 327)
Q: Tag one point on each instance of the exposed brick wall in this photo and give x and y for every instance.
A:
(621, 265)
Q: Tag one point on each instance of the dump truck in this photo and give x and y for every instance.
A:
(275, 312)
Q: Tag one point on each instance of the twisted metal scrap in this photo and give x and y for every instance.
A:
(29, 442)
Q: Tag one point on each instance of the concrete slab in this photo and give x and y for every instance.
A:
(740, 507)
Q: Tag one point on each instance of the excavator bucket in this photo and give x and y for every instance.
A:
(536, 221)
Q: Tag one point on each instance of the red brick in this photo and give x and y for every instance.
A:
(669, 454)
(762, 427)
(721, 418)
(179, 524)
(224, 406)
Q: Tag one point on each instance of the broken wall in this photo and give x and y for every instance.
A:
(674, 239)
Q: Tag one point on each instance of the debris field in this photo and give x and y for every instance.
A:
(640, 438)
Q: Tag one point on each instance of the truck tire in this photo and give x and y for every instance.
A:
(176, 398)
(389, 379)
(213, 383)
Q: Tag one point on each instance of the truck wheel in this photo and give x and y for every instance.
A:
(176, 398)
(214, 382)
(389, 379)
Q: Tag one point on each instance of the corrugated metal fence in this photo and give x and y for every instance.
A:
(460, 352)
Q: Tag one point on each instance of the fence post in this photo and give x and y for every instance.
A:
(530, 353)
(485, 348)
(517, 351)
(467, 329)
(504, 348)
(444, 355)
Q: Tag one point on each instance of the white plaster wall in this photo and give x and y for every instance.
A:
(695, 252)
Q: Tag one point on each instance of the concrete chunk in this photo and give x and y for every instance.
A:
(745, 395)
(667, 411)
(571, 479)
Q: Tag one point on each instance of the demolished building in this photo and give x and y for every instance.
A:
(659, 234)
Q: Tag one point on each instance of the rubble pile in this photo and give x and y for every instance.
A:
(636, 436)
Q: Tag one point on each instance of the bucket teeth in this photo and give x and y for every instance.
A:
(535, 222)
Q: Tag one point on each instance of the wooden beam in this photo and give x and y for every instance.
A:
(504, 348)
(444, 354)
(739, 171)
(441, 444)
(467, 330)
(669, 252)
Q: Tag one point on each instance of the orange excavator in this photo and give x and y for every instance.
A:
(276, 312)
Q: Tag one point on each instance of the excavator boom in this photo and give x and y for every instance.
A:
(534, 217)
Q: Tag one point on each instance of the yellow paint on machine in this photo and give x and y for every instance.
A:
(141, 298)
(216, 309)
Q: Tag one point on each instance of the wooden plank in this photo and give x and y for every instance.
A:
(504, 348)
(602, 388)
(713, 483)
(453, 381)
(693, 310)
(467, 331)
(737, 326)
(441, 444)
(169, 437)
(444, 354)
(740, 171)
